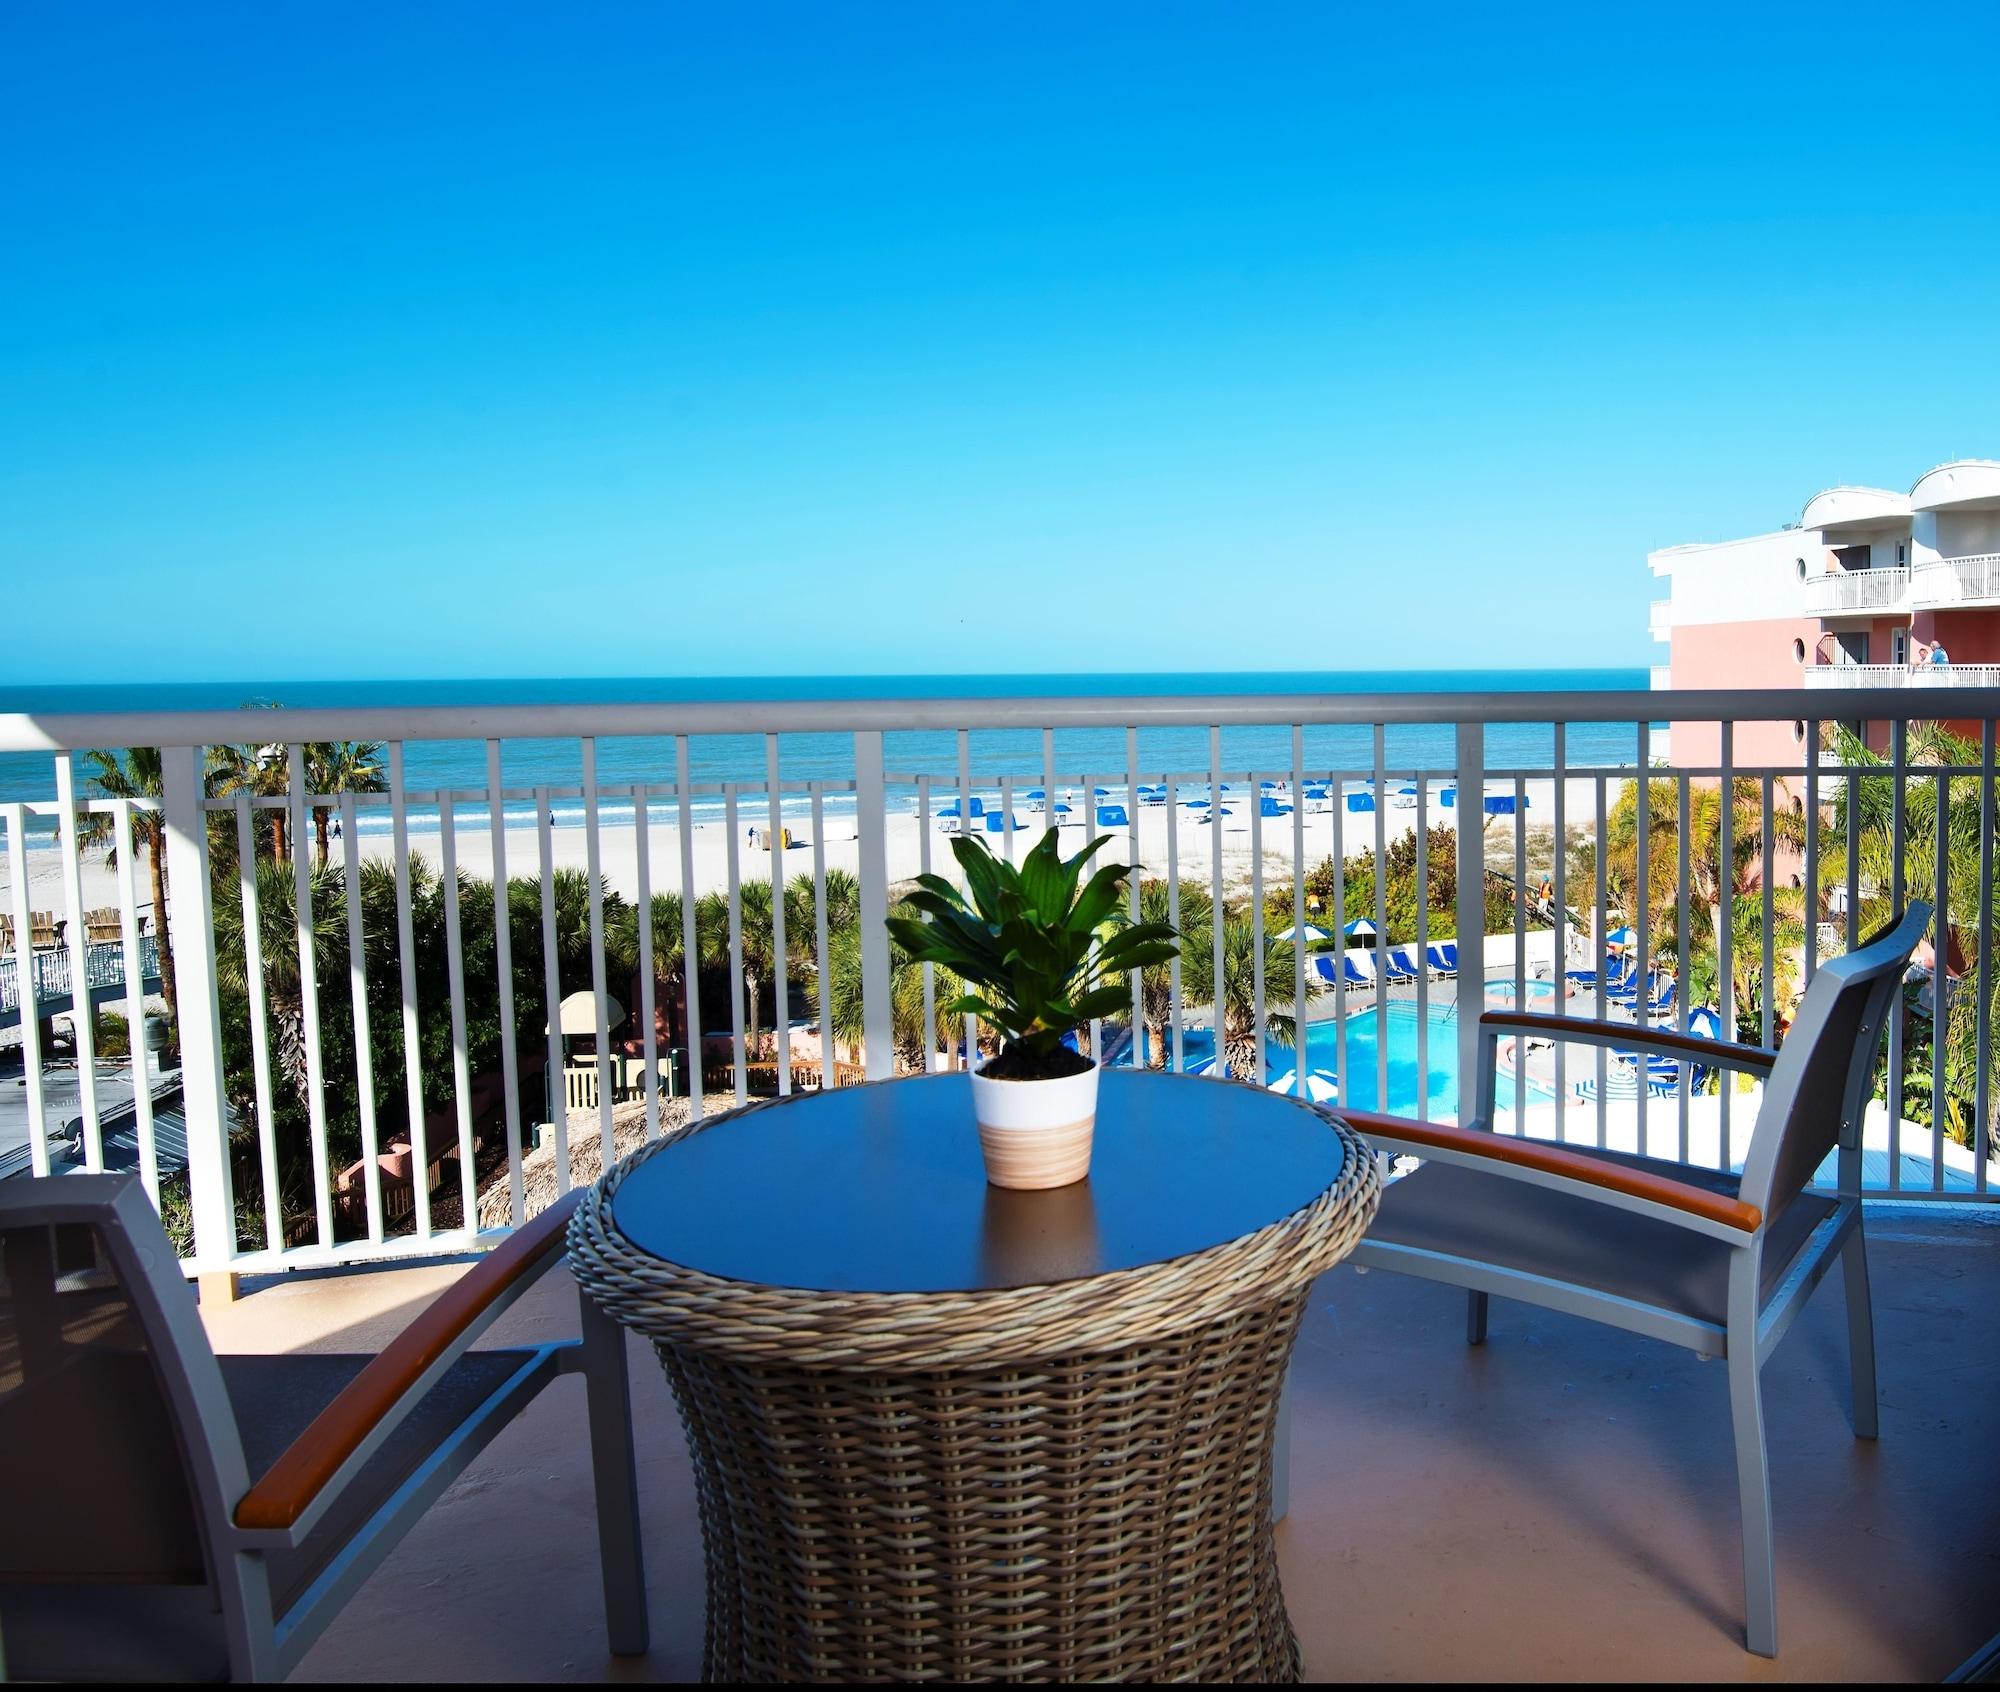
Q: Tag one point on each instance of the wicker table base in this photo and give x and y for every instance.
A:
(1058, 1482)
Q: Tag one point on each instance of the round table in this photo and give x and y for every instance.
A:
(944, 1430)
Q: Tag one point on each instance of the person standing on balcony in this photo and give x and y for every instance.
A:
(1938, 653)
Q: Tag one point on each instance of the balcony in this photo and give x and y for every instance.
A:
(1662, 677)
(1660, 618)
(1834, 593)
(1567, 1487)
(1903, 675)
(1969, 582)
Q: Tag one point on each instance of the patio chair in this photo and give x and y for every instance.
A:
(1715, 1262)
(171, 1513)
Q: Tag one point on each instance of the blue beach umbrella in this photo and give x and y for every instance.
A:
(1311, 931)
(1358, 802)
(1362, 929)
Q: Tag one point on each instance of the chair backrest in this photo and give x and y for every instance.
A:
(119, 1455)
(1818, 1090)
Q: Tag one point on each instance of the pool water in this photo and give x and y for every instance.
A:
(1437, 1082)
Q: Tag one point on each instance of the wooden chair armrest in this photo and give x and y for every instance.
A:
(302, 1470)
(1588, 1030)
(1507, 1151)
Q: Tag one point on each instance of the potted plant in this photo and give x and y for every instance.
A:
(1039, 956)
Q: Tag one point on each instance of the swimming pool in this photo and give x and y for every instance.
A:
(1438, 1080)
(1505, 989)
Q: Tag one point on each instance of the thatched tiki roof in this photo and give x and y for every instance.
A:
(586, 1163)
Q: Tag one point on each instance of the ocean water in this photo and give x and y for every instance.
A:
(1097, 755)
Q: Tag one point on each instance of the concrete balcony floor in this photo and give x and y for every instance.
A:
(1558, 1505)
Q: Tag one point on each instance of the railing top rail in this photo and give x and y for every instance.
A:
(79, 731)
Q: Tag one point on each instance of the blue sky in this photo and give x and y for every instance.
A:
(356, 342)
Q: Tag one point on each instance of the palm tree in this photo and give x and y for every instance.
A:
(263, 772)
(913, 1042)
(758, 935)
(135, 774)
(669, 946)
(277, 939)
(341, 766)
(1234, 998)
(1156, 981)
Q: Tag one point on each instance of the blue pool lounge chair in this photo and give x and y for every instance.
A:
(1711, 1261)
(1353, 974)
(1401, 967)
(1443, 955)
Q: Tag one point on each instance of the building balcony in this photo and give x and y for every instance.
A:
(1952, 583)
(1903, 675)
(1569, 1488)
(1660, 618)
(1662, 677)
(1834, 593)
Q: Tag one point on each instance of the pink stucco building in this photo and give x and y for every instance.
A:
(1869, 588)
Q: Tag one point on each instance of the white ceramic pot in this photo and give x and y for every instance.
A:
(1036, 1133)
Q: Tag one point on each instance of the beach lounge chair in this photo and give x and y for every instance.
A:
(1354, 974)
(1443, 956)
(174, 1514)
(1711, 1261)
(1399, 966)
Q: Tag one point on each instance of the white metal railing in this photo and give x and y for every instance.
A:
(384, 1034)
(1903, 675)
(1662, 676)
(1831, 592)
(1969, 581)
(1660, 618)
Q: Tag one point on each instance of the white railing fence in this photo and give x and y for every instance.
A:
(1969, 580)
(401, 1007)
(1835, 591)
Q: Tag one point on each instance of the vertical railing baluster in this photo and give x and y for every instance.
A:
(556, 1087)
(1812, 851)
(1940, 976)
(82, 1013)
(1132, 851)
(1767, 873)
(1559, 877)
(690, 924)
(260, 1033)
(406, 950)
(821, 937)
(503, 970)
(738, 987)
(1423, 950)
(932, 1056)
(1219, 1070)
(1257, 1012)
(781, 983)
(135, 998)
(1471, 913)
(1682, 917)
(1726, 921)
(1601, 963)
(27, 993)
(1982, 1080)
(364, 1054)
(1380, 789)
(305, 919)
(872, 822)
(1339, 953)
(600, 985)
(1899, 761)
(970, 1030)
(1299, 940)
(649, 1009)
(1174, 906)
(1520, 944)
(191, 925)
(1642, 919)
(461, 1045)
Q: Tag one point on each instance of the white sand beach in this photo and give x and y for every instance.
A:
(1243, 840)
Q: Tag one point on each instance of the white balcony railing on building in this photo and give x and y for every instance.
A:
(368, 1050)
(1834, 592)
(1662, 677)
(1969, 581)
(1903, 675)
(1660, 618)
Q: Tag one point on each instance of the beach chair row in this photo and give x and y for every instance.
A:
(1399, 965)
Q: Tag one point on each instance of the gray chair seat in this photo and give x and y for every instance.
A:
(275, 1399)
(1470, 1213)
